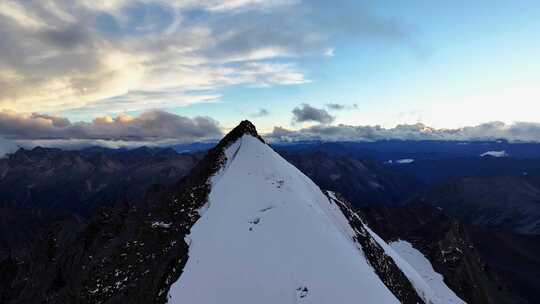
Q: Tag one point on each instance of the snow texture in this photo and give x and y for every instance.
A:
(405, 161)
(269, 235)
(494, 154)
(400, 161)
(161, 225)
(418, 270)
(442, 293)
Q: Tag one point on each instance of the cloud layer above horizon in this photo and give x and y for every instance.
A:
(150, 126)
(161, 128)
(515, 132)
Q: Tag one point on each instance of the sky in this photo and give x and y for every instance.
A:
(185, 70)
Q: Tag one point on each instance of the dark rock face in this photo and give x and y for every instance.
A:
(41, 190)
(20, 231)
(127, 254)
(502, 203)
(79, 181)
(17, 229)
(384, 266)
(360, 181)
(480, 266)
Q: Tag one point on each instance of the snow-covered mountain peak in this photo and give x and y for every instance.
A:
(268, 234)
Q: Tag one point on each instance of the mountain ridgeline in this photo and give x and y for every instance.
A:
(78, 182)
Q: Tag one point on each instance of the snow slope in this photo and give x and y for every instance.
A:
(442, 293)
(405, 161)
(269, 235)
(494, 154)
(401, 161)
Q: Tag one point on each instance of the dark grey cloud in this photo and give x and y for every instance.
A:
(303, 27)
(68, 37)
(282, 133)
(56, 121)
(516, 132)
(261, 113)
(307, 113)
(148, 126)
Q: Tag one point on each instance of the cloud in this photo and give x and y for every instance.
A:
(335, 106)
(307, 113)
(148, 126)
(339, 106)
(282, 134)
(330, 52)
(62, 55)
(7, 146)
(261, 113)
(516, 132)
(297, 28)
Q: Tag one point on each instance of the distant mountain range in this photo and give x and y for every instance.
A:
(79, 181)
(385, 150)
(501, 203)
(362, 181)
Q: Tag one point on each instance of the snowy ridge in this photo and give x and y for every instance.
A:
(423, 289)
(441, 292)
(428, 283)
(270, 235)
(495, 154)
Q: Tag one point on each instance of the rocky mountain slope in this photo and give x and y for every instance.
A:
(480, 266)
(362, 181)
(499, 203)
(76, 182)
